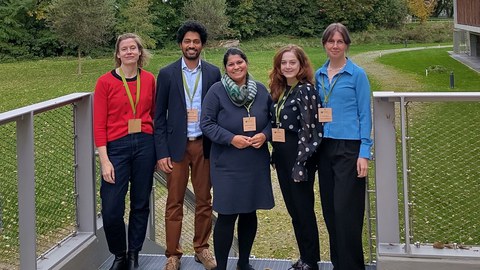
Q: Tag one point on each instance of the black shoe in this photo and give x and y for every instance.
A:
(119, 263)
(245, 267)
(300, 265)
(296, 265)
(132, 260)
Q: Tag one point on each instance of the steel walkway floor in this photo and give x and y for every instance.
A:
(156, 262)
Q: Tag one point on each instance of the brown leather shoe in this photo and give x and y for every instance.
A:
(206, 258)
(173, 263)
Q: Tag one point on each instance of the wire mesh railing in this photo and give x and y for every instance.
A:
(9, 245)
(444, 172)
(54, 177)
(38, 179)
(54, 185)
(426, 202)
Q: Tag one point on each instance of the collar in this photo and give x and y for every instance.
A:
(348, 67)
(184, 66)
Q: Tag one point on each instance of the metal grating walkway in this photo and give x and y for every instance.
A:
(156, 262)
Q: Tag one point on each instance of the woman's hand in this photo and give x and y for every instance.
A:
(258, 140)
(362, 167)
(241, 142)
(108, 172)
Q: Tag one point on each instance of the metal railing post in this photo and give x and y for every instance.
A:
(26, 191)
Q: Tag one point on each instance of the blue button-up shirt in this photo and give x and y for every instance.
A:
(193, 128)
(350, 102)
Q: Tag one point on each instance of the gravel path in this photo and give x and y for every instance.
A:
(389, 78)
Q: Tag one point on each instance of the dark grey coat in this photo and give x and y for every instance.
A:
(240, 177)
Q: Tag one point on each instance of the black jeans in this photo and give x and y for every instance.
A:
(133, 159)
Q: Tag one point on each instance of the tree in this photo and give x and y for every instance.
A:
(422, 9)
(212, 13)
(82, 24)
(354, 14)
(167, 17)
(443, 7)
(245, 23)
(389, 13)
(136, 18)
(23, 32)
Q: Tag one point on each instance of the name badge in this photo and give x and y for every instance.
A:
(278, 134)
(249, 124)
(134, 126)
(192, 115)
(325, 115)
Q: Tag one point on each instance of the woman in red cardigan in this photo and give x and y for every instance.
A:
(123, 127)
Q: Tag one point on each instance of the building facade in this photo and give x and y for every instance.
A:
(466, 37)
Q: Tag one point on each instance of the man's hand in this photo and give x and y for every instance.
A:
(165, 165)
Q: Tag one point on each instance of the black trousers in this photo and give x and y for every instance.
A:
(299, 198)
(343, 201)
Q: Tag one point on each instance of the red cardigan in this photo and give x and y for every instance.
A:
(112, 109)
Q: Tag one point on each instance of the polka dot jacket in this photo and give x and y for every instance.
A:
(299, 114)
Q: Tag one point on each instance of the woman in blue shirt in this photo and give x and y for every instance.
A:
(345, 149)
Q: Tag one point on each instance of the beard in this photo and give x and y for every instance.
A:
(191, 56)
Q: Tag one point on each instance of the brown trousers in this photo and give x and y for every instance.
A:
(177, 184)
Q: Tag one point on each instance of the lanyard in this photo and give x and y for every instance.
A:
(327, 95)
(125, 84)
(248, 107)
(191, 96)
(280, 104)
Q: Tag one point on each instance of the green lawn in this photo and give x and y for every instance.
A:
(439, 65)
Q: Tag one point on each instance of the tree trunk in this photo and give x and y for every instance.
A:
(79, 71)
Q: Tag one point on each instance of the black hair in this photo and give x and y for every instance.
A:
(234, 51)
(192, 26)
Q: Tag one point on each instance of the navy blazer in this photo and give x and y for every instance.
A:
(170, 123)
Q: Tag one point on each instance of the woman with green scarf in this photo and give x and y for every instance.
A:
(236, 118)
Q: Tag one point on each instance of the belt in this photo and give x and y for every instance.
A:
(195, 138)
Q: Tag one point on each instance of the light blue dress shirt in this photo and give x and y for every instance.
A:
(193, 129)
(349, 99)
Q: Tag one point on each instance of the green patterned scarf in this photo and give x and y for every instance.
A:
(243, 95)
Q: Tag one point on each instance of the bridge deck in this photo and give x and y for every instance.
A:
(151, 262)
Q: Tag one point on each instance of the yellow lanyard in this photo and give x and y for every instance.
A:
(327, 95)
(125, 84)
(191, 96)
(281, 103)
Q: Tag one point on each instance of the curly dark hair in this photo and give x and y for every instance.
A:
(192, 26)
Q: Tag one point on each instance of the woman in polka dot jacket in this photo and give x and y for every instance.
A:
(296, 130)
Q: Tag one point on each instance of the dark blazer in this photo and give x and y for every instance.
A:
(170, 123)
